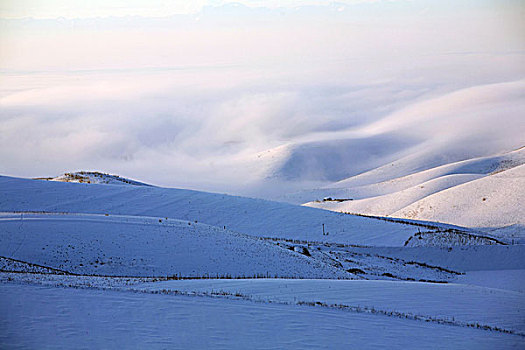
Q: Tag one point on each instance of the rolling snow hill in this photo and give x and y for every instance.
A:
(493, 201)
(94, 177)
(254, 217)
(142, 246)
(456, 193)
(188, 262)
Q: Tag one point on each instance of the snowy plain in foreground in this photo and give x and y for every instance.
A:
(65, 318)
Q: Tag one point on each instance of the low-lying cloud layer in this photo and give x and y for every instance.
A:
(205, 101)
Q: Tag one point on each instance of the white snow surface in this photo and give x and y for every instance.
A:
(141, 246)
(105, 265)
(94, 177)
(500, 279)
(254, 217)
(483, 193)
(492, 201)
(388, 204)
(459, 258)
(441, 301)
(65, 318)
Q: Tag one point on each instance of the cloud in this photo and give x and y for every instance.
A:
(198, 103)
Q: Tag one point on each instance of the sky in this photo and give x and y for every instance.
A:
(194, 94)
(143, 8)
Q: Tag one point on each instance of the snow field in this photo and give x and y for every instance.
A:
(254, 217)
(140, 246)
(62, 318)
(482, 193)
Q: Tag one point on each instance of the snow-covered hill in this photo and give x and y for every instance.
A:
(170, 255)
(387, 204)
(143, 246)
(94, 177)
(367, 185)
(254, 217)
(493, 201)
(455, 193)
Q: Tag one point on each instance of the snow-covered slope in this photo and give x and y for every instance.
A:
(387, 204)
(94, 177)
(443, 301)
(492, 201)
(43, 316)
(118, 252)
(478, 166)
(142, 246)
(449, 193)
(250, 216)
